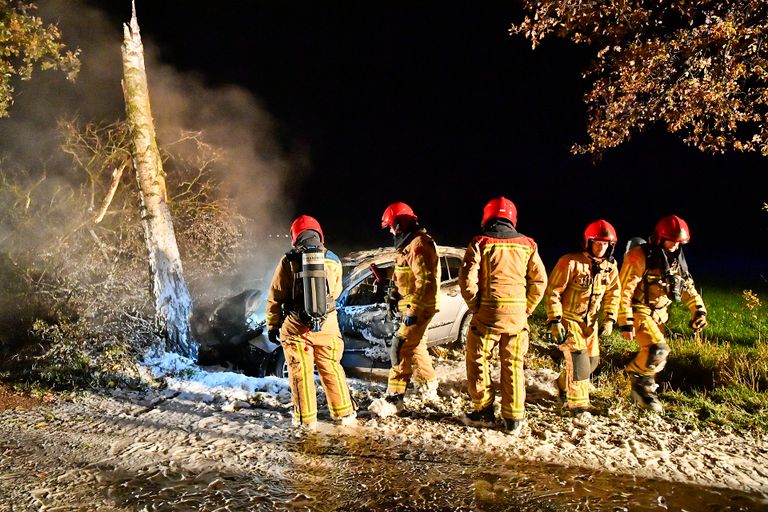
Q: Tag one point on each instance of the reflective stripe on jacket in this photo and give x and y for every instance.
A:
(417, 275)
(502, 281)
(653, 294)
(280, 297)
(571, 284)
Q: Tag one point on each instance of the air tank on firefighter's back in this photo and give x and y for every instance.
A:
(315, 286)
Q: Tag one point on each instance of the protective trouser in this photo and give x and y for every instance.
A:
(653, 348)
(481, 341)
(414, 362)
(581, 352)
(302, 356)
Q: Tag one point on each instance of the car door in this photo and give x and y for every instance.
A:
(451, 303)
(362, 312)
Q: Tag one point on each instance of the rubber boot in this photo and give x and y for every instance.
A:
(482, 418)
(396, 399)
(644, 392)
(562, 396)
(349, 420)
(513, 426)
(389, 405)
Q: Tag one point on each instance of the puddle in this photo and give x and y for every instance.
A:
(311, 475)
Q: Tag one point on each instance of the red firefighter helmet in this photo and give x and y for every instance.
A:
(303, 223)
(393, 212)
(601, 231)
(671, 228)
(501, 208)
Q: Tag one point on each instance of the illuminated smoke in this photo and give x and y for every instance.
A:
(253, 167)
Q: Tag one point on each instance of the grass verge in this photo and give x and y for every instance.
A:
(718, 378)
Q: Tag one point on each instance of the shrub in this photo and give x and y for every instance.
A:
(76, 304)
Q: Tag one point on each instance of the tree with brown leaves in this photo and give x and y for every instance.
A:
(26, 42)
(699, 67)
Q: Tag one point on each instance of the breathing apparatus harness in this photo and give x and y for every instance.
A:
(674, 270)
(595, 271)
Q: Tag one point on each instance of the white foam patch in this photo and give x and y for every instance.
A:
(191, 382)
(382, 408)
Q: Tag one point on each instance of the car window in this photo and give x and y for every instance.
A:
(449, 268)
(368, 291)
(363, 292)
(445, 274)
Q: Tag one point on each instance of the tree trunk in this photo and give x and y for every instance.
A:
(173, 303)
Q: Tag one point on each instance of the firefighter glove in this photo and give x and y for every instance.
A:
(628, 331)
(394, 350)
(699, 320)
(409, 320)
(273, 335)
(557, 331)
(393, 298)
(607, 329)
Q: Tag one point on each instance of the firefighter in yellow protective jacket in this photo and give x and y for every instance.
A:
(301, 316)
(653, 276)
(579, 286)
(416, 282)
(502, 279)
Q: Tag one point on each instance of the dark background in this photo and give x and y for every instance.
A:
(434, 104)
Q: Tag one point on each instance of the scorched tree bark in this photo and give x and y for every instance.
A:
(173, 303)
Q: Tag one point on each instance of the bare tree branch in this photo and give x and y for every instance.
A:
(117, 173)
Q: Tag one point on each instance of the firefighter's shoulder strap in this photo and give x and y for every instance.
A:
(330, 255)
(683, 264)
(653, 259)
(293, 258)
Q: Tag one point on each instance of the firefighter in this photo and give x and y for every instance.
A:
(653, 276)
(416, 282)
(301, 316)
(502, 279)
(579, 285)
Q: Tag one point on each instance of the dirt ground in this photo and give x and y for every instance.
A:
(11, 398)
(167, 449)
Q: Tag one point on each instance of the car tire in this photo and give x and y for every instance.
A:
(461, 341)
(280, 368)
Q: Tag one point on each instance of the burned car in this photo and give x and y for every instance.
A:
(231, 334)
(232, 330)
(365, 324)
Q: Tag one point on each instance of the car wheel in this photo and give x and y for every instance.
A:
(464, 330)
(281, 366)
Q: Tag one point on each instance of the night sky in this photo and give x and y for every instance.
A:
(434, 104)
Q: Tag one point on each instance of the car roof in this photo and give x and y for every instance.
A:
(356, 261)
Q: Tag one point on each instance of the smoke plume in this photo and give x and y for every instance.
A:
(252, 166)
